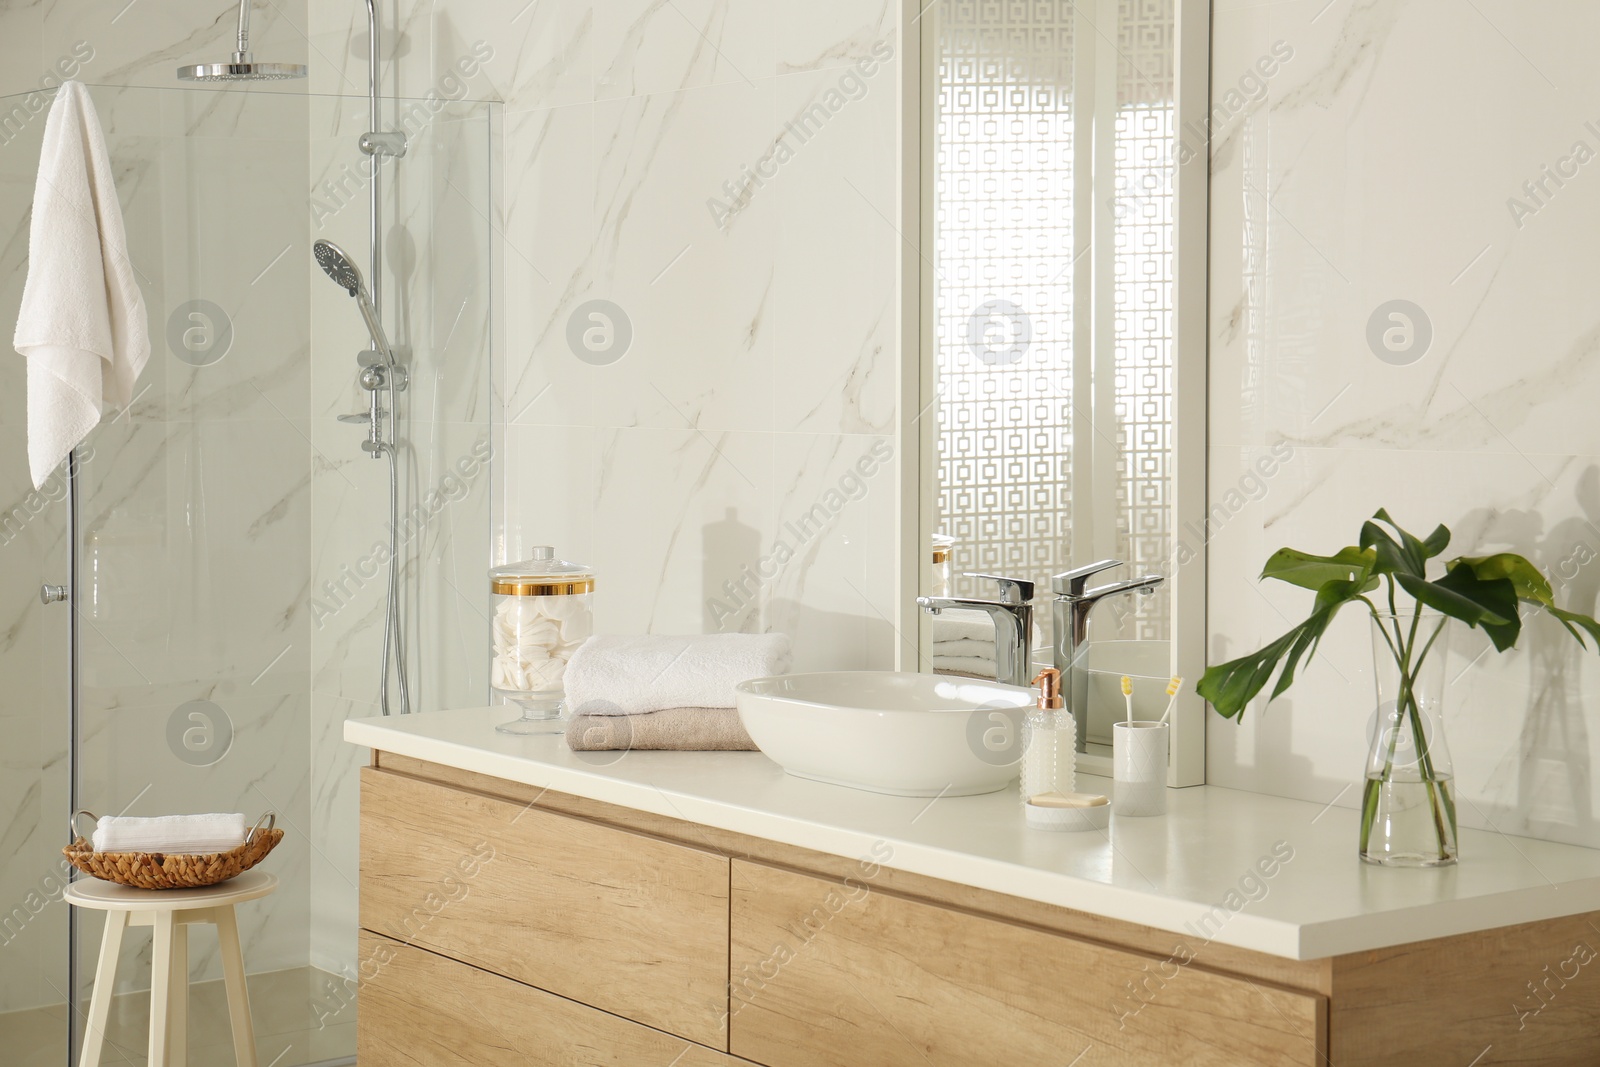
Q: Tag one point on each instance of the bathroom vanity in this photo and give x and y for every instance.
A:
(524, 904)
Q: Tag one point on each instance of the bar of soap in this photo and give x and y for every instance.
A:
(1068, 800)
(1069, 812)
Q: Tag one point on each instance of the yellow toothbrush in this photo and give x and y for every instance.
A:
(1127, 695)
(1172, 695)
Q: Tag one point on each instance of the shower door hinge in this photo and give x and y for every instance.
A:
(385, 143)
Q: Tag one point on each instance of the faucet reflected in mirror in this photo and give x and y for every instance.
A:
(1070, 611)
(1012, 616)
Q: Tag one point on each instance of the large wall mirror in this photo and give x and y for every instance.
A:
(1061, 318)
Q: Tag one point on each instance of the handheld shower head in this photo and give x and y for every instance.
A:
(336, 265)
(242, 67)
(342, 269)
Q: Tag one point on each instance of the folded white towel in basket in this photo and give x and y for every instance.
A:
(179, 834)
(633, 675)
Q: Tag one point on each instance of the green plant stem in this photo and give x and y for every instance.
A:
(1430, 781)
(1403, 645)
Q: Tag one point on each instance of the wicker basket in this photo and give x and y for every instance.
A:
(156, 870)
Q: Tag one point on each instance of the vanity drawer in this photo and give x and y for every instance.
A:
(828, 975)
(624, 922)
(422, 1010)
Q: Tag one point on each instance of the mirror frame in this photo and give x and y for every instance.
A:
(918, 493)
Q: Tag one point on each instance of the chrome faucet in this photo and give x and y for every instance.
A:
(1013, 625)
(1069, 615)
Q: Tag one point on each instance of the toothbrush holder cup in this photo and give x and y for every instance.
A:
(1139, 767)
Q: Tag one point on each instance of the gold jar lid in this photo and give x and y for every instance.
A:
(541, 574)
(940, 555)
(540, 587)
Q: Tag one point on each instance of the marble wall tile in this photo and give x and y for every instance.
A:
(334, 835)
(676, 512)
(836, 292)
(698, 299)
(831, 589)
(769, 313)
(30, 956)
(550, 213)
(1381, 163)
(195, 538)
(20, 51)
(642, 46)
(542, 54)
(814, 34)
(544, 491)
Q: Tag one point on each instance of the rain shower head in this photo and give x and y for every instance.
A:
(342, 269)
(242, 67)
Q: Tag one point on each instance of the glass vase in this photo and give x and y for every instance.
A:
(1408, 809)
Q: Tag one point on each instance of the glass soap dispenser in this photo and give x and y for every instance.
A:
(1050, 767)
(1050, 752)
(543, 610)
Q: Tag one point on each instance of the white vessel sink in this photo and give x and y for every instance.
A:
(913, 735)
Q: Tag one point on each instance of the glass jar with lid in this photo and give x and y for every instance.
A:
(939, 580)
(543, 610)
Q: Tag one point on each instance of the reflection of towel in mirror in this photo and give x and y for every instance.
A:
(963, 643)
(671, 729)
(965, 649)
(967, 665)
(963, 625)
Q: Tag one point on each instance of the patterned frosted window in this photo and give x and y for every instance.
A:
(1144, 174)
(1010, 158)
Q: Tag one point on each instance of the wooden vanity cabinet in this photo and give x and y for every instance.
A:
(628, 924)
(504, 924)
(827, 974)
(427, 1010)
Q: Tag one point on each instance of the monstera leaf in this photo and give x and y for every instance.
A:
(1485, 592)
(1232, 685)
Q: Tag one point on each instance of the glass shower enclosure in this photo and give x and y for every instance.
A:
(229, 538)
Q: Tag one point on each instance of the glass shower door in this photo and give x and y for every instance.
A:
(33, 660)
(214, 666)
(194, 536)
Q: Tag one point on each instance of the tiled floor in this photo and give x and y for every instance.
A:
(287, 1007)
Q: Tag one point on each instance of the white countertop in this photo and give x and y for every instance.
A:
(1167, 872)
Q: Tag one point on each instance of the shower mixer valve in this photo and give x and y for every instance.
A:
(384, 143)
(374, 359)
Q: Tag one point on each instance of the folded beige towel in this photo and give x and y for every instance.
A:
(672, 729)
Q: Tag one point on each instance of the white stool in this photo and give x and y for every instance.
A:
(170, 911)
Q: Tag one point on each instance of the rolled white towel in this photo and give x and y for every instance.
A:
(633, 675)
(181, 834)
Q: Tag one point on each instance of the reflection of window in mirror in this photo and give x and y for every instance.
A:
(1049, 135)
